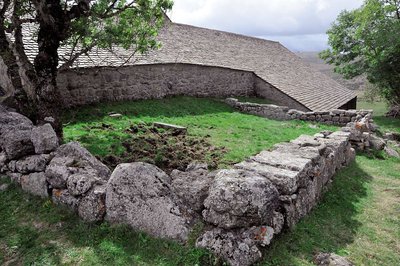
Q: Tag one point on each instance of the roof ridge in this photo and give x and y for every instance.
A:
(228, 33)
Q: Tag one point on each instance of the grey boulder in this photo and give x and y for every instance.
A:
(35, 184)
(139, 194)
(71, 159)
(44, 139)
(239, 198)
(12, 120)
(17, 143)
(83, 159)
(30, 164)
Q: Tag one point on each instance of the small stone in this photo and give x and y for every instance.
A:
(391, 152)
(115, 115)
(49, 119)
(377, 143)
(331, 259)
(3, 187)
(175, 128)
(92, 207)
(79, 184)
(63, 197)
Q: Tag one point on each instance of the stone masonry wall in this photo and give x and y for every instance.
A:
(333, 117)
(243, 208)
(267, 91)
(91, 85)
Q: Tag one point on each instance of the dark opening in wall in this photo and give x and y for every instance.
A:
(352, 104)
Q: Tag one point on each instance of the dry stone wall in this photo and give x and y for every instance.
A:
(83, 86)
(92, 85)
(243, 208)
(333, 117)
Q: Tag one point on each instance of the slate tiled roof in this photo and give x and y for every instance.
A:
(269, 60)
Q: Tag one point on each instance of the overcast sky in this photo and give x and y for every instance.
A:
(298, 24)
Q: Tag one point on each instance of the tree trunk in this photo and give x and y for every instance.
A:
(49, 38)
(20, 99)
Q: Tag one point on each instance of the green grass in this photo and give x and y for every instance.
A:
(242, 135)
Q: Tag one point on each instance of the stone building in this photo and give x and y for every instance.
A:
(197, 62)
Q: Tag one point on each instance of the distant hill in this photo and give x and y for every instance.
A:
(313, 59)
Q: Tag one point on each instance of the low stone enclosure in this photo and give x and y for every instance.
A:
(334, 117)
(242, 208)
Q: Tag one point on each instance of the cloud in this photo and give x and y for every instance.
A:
(301, 43)
(264, 17)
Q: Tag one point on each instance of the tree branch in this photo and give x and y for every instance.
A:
(110, 14)
(75, 56)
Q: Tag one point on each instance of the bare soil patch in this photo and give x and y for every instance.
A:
(169, 149)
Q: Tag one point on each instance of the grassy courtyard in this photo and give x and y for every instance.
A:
(358, 218)
(216, 134)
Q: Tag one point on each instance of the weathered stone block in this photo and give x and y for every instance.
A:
(17, 143)
(33, 163)
(238, 248)
(73, 159)
(239, 198)
(192, 186)
(44, 139)
(286, 181)
(79, 184)
(138, 194)
(35, 184)
(92, 207)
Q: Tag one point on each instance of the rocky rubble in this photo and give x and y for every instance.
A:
(242, 208)
(31, 156)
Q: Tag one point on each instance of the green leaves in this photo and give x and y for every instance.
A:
(367, 41)
(132, 25)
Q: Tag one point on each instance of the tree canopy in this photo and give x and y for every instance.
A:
(79, 24)
(367, 41)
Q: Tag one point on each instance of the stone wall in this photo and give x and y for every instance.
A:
(91, 85)
(243, 208)
(333, 117)
(267, 91)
